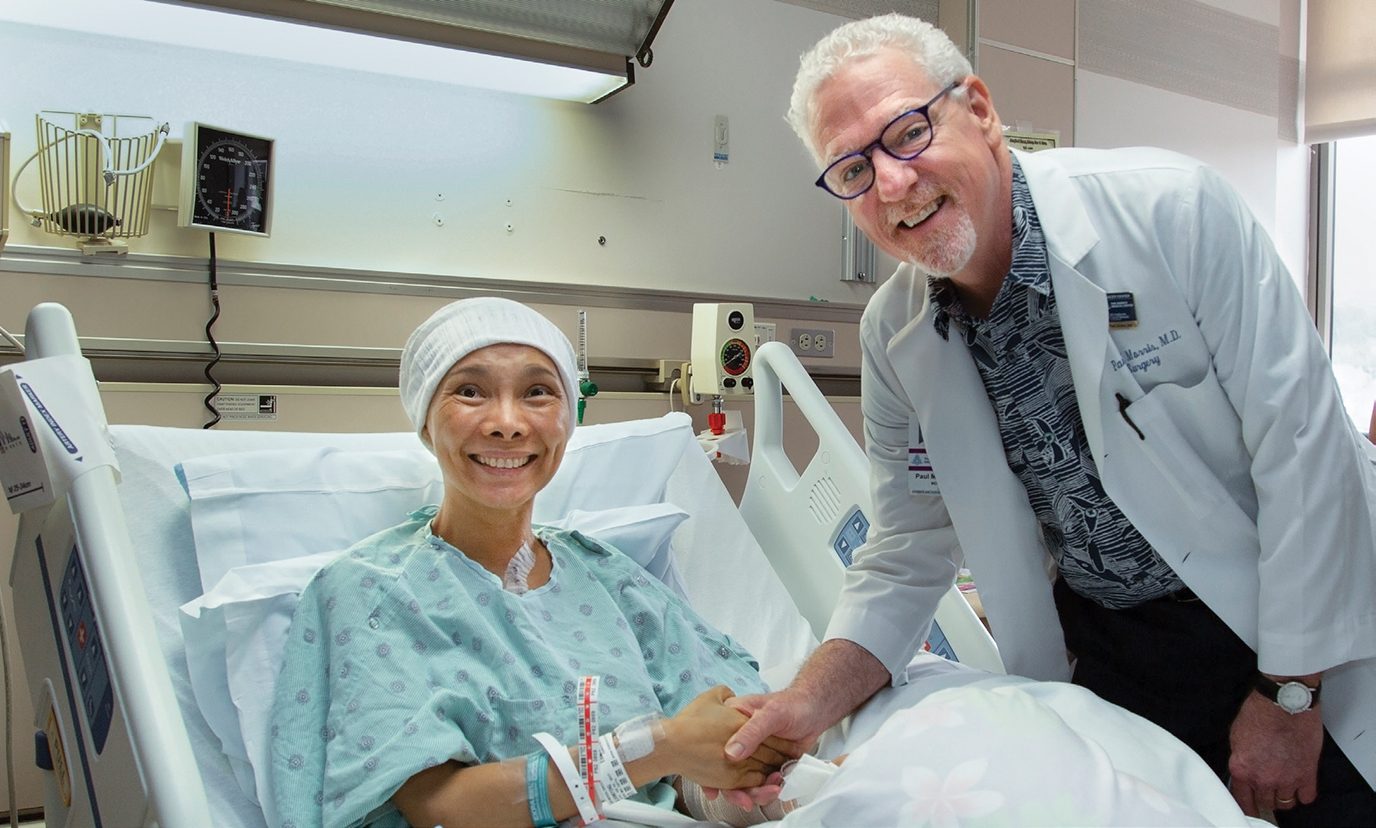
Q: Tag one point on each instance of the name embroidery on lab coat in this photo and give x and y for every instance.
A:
(1147, 357)
(921, 477)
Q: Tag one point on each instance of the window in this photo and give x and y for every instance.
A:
(1353, 339)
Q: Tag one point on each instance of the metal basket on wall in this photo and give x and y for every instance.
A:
(96, 176)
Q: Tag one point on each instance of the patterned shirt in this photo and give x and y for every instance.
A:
(405, 653)
(1020, 353)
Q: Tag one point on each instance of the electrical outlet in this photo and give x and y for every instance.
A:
(812, 342)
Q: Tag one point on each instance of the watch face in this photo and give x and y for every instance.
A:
(1293, 697)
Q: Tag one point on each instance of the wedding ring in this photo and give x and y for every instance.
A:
(1285, 800)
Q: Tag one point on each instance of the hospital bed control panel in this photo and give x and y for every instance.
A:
(88, 653)
(851, 535)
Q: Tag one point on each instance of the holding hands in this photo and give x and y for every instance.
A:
(694, 740)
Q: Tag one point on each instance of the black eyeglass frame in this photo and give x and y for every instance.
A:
(878, 143)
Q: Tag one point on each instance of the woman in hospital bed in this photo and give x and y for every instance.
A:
(436, 673)
(422, 663)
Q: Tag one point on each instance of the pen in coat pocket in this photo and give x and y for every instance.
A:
(1123, 410)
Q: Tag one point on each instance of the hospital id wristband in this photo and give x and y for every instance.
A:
(587, 732)
(537, 790)
(613, 782)
(564, 764)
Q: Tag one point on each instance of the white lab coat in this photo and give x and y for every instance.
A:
(1249, 479)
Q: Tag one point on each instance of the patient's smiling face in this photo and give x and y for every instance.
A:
(498, 424)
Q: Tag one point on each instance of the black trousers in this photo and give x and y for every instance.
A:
(1176, 663)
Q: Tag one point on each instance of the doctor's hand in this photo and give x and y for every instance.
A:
(784, 717)
(1275, 756)
(696, 735)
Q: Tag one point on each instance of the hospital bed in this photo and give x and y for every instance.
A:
(154, 591)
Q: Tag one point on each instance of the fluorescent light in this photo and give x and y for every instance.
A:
(181, 25)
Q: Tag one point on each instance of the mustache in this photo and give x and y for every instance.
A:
(910, 205)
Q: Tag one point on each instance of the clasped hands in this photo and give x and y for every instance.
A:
(735, 746)
(699, 735)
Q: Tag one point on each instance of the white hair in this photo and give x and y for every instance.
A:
(928, 46)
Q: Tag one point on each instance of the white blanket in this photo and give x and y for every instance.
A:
(961, 748)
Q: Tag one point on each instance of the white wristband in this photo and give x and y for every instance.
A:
(613, 782)
(564, 763)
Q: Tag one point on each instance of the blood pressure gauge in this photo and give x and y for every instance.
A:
(722, 348)
(226, 181)
(735, 357)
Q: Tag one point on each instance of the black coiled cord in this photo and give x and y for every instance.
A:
(209, 335)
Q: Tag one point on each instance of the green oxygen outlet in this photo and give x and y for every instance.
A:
(586, 388)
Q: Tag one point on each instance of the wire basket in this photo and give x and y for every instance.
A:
(96, 173)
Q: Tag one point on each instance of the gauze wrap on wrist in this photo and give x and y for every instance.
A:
(636, 737)
(804, 776)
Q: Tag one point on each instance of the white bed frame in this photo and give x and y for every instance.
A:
(810, 524)
(114, 716)
(131, 763)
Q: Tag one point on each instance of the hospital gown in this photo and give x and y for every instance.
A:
(405, 653)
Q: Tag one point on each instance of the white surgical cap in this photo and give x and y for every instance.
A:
(460, 328)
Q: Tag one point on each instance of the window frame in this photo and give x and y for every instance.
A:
(1319, 280)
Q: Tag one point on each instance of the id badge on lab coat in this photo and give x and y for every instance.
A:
(921, 478)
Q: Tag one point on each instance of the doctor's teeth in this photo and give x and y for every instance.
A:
(913, 221)
(503, 462)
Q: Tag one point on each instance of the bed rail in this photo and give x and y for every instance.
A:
(143, 689)
(810, 524)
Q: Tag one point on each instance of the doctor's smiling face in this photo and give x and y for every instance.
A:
(942, 209)
(498, 424)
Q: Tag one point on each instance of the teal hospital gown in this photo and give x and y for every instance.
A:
(404, 653)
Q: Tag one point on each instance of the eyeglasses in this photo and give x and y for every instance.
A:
(905, 138)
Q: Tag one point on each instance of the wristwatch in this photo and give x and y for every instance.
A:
(1291, 696)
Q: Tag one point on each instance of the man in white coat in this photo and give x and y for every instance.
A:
(1093, 364)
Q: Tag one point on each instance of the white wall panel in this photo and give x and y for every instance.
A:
(362, 156)
(1110, 112)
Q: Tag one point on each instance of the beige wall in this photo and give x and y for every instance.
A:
(1026, 54)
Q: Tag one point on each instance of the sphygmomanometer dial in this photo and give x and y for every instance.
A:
(228, 180)
(735, 357)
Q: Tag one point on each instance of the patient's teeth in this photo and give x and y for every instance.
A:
(502, 462)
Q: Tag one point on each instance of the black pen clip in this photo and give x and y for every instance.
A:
(1123, 410)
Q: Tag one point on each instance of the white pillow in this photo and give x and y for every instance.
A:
(236, 631)
(644, 533)
(251, 607)
(259, 506)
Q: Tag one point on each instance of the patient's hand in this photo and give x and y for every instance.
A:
(698, 734)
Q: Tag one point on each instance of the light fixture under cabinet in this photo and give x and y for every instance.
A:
(578, 50)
